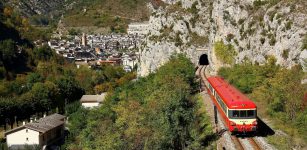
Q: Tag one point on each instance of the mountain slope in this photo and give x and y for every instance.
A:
(113, 15)
(38, 7)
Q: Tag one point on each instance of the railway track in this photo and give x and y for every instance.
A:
(246, 143)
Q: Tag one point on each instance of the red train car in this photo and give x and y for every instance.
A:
(238, 112)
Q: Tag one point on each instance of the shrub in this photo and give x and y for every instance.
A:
(193, 10)
(259, 3)
(285, 54)
(178, 41)
(272, 15)
(245, 77)
(304, 46)
(229, 37)
(262, 40)
(288, 25)
(241, 21)
(272, 41)
(225, 53)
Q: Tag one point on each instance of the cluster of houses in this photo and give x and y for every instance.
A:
(115, 49)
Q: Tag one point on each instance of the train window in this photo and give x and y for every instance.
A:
(241, 114)
(210, 88)
(250, 113)
(235, 113)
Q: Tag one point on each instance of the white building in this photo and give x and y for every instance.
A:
(128, 62)
(43, 132)
(91, 101)
(138, 28)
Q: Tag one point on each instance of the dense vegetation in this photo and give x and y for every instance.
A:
(34, 80)
(278, 91)
(114, 15)
(225, 53)
(156, 112)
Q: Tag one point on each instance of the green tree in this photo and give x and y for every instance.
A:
(69, 91)
(33, 78)
(8, 51)
(45, 95)
(43, 53)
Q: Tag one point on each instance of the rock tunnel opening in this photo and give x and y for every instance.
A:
(203, 60)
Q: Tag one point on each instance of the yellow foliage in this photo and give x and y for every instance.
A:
(8, 11)
(25, 23)
(225, 53)
(103, 87)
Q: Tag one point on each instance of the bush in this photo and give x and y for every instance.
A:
(225, 53)
(285, 54)
(241, 21)
(288, 25)
(301, 123)
(262, 40)
(304, 45)
(193, 10)
(229, 37)
(245, 77)
(272, 41)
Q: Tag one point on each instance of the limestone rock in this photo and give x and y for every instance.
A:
(255, 30)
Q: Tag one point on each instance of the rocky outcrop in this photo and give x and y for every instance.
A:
(38, 7)
(256, 30)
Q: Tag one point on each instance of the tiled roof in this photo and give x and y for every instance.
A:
(42, 125)
(93, 98)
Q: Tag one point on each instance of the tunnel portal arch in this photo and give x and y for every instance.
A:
(203, 60)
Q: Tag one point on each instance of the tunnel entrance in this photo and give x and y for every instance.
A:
(203, 60)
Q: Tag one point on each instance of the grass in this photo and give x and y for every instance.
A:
(280, 142)
(198, 40)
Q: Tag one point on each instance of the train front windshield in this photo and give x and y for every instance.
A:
(245, 114)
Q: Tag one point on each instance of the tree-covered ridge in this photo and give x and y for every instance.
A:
(279, 92)
(156, 112)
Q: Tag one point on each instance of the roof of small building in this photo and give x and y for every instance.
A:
(42, 125)
(93, 98)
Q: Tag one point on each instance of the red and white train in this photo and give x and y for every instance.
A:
(238, 112)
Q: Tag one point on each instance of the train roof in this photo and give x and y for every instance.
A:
(232, 97)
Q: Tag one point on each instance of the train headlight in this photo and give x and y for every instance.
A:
(255, 123)
(232, 123)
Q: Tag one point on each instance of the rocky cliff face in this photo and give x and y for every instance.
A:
(38, 7)
(255, 30)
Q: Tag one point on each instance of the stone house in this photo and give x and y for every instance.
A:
(42, 133)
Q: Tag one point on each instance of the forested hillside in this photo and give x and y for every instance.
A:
(35, 80)
(156, 112)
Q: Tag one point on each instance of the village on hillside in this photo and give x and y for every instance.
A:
(98, 49)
